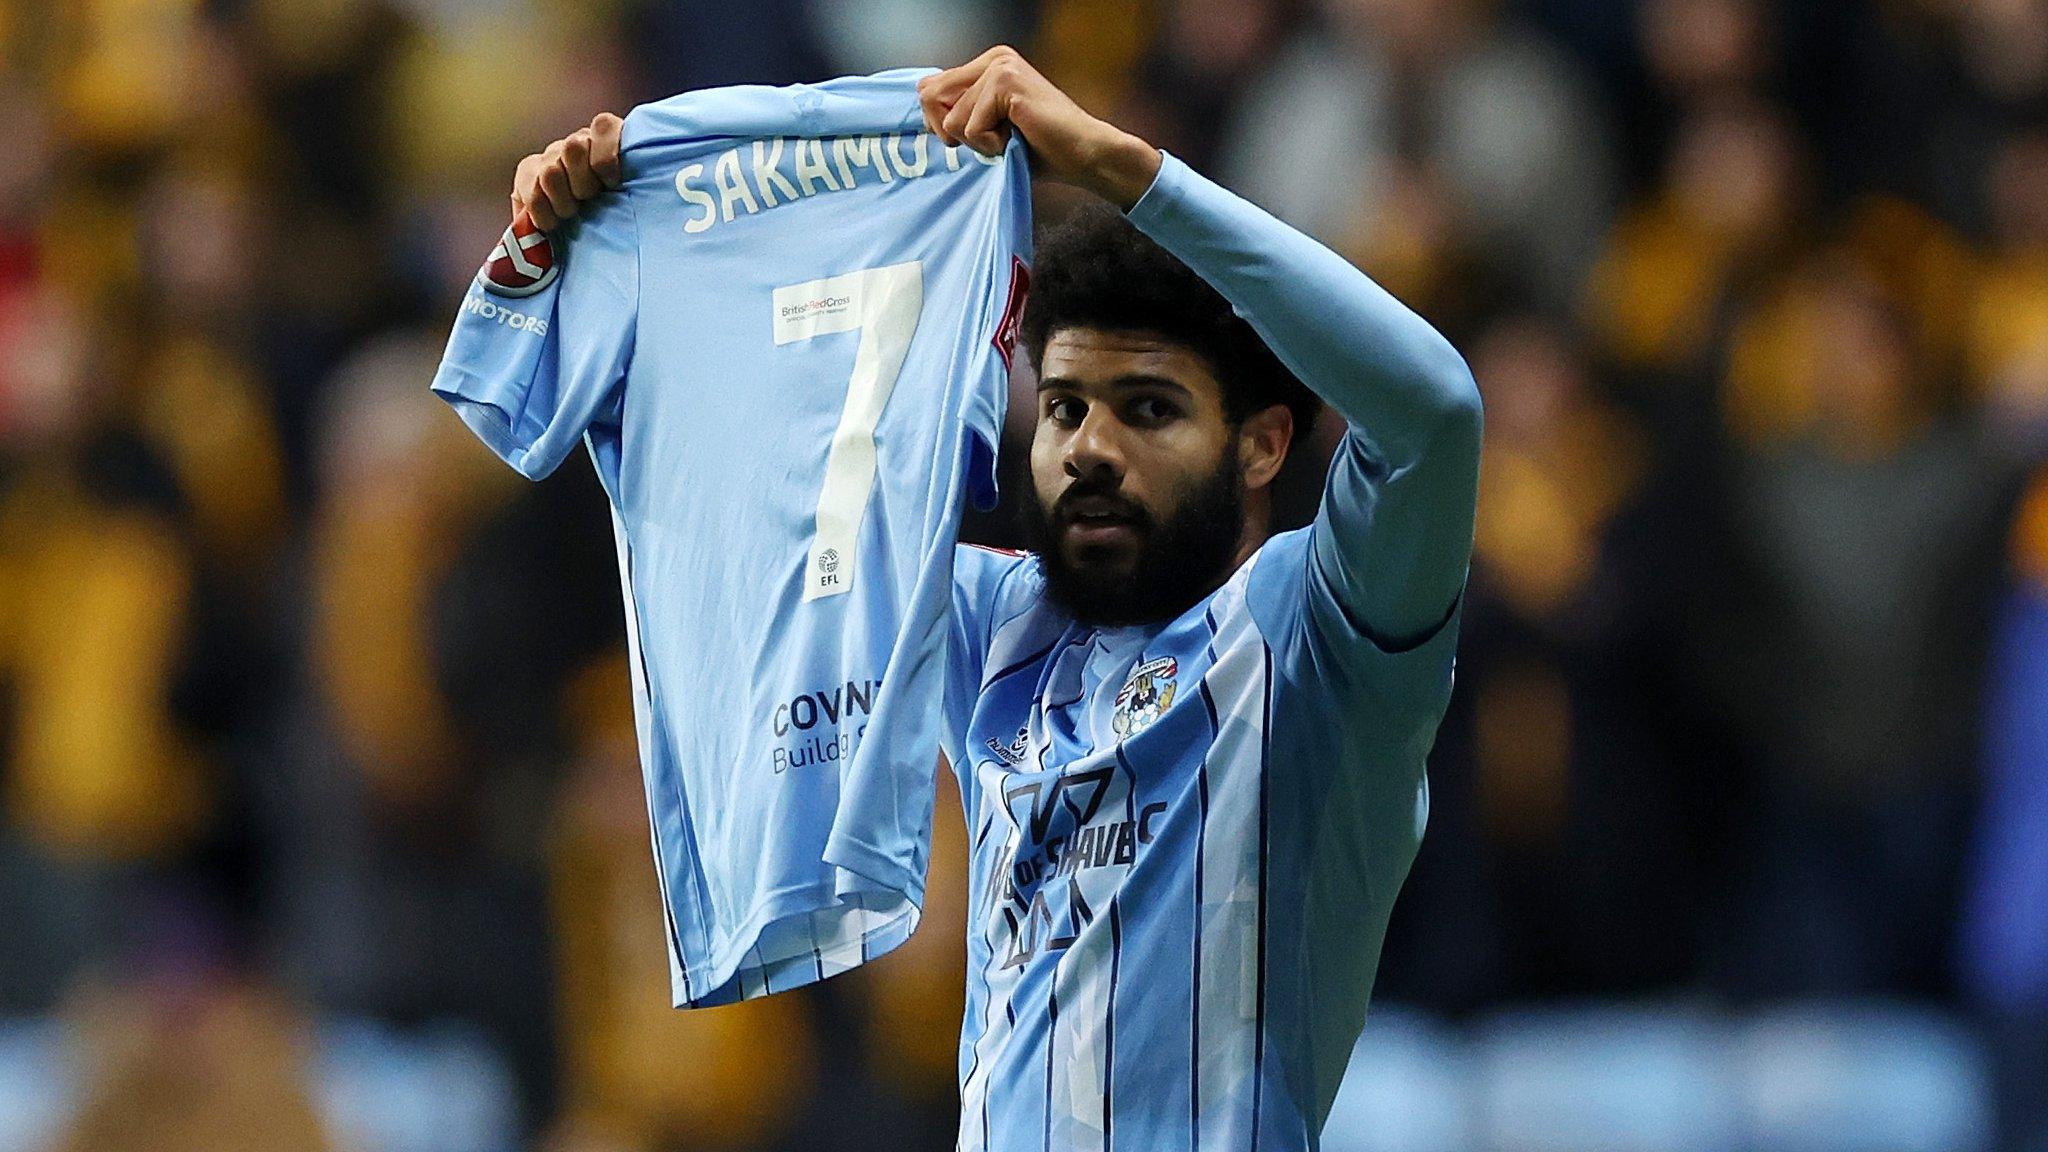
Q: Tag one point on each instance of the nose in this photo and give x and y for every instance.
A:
(1095, 449)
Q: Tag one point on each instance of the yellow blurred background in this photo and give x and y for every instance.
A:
(310, 838)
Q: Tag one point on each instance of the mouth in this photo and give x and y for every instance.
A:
(1090, 530)
(1098, 521)
(1093, 526)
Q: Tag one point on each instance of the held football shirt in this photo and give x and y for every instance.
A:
(785, 340)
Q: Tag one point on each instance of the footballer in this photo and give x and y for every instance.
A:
(1190, 750)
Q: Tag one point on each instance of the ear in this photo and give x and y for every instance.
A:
(1262, 444)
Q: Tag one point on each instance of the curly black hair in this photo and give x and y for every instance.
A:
(1096, 270)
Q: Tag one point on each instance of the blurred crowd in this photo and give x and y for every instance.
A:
(315, 729)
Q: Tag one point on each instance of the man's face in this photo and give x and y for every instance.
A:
(1137, 501)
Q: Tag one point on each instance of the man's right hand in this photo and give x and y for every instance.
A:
(551, 183)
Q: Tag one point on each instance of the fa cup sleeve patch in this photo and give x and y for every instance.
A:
(1013, 310)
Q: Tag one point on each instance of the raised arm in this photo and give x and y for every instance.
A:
(1395, 530)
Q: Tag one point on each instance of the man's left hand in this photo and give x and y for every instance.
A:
(979, 102)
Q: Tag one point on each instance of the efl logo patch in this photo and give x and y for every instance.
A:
(523, 262)
(1013, 310)
(1145, 696)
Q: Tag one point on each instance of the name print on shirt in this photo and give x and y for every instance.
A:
(786, 169)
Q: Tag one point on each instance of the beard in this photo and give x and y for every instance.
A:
(1179, 560)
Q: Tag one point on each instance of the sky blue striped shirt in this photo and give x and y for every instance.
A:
(1186, 837)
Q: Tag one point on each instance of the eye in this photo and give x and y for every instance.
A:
(1065, 411)
(1153, 410)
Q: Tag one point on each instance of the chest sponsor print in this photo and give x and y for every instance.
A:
(1072, 838)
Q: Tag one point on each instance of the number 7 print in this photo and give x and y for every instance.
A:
(883, 305)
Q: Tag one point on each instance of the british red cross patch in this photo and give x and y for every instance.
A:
(1013, 311)
(523, 262)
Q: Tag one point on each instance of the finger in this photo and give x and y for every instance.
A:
(526, 179)
(528, 195)
(963, 76)
(605, 132)
(935, 104)
(931, 108)
(554, 186)
(542, 212)
(583, 182)
(954, 125)
(946, 87)
(935, 121)
(534, 166)
(949, 84)
(987, 129)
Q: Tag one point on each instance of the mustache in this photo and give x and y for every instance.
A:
(1103, 499)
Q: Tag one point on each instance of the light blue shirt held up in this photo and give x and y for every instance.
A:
(785, 341)
(1186, 837)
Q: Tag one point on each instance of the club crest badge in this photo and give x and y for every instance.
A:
(523, 262)
(1145, 696)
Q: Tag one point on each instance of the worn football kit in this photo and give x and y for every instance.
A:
(1187, 836)
(785, 341)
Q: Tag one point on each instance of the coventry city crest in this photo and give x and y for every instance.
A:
(1145, 696)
